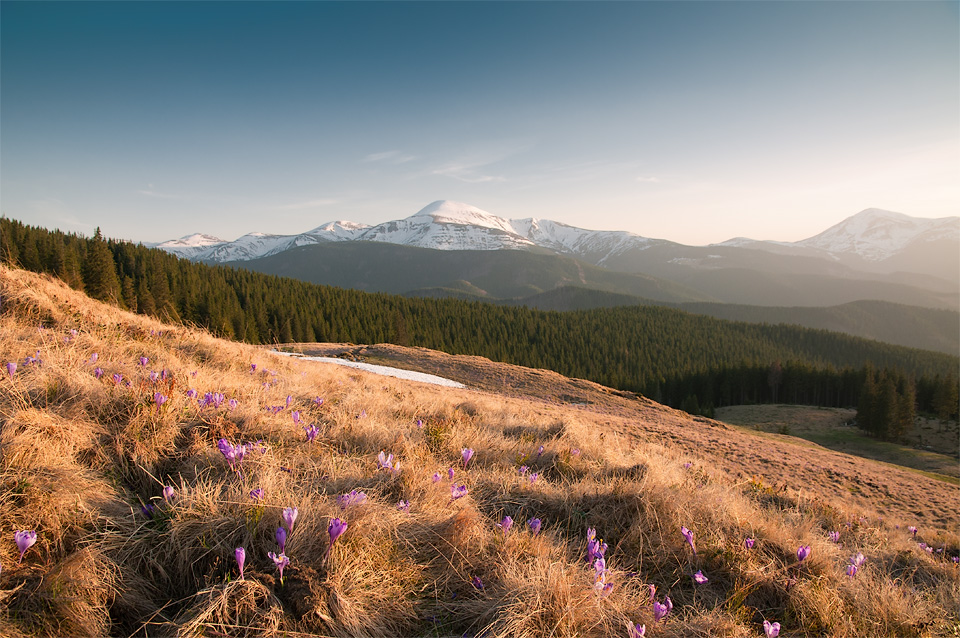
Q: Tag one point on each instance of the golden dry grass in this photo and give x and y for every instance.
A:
(80, 455)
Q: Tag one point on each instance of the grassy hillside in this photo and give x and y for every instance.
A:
(909, 326)
(86, 458)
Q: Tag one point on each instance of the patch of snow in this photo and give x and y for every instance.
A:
(386, 371)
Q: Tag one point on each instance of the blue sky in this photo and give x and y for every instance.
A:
(688, 121)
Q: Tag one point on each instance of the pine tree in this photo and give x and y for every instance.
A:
(99, 270)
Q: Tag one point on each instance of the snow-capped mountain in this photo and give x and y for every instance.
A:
(441, 225)
(876, 235)
(873, 240)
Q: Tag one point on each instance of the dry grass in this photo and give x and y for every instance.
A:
(81, 455)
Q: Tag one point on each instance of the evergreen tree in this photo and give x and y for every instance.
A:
(99, 271)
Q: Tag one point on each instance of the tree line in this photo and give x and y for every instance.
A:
(666, 354)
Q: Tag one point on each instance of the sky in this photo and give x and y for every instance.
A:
(689, 121)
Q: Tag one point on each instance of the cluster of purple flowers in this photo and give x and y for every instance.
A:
(386, 462)
(351, 498)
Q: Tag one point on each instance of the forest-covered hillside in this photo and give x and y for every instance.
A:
(666, 354)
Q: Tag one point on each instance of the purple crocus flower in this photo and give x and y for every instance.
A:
(533, 477)
(535, 524)
(749, 542)
(241, 556)
(595, 548)
(257, 494)
(25, 540)
(289, 400)
(858, 559)
(699, 578)
(403, 506)
(191, 393)
(851, 570)
(466, 454)
(335, 530)
(771, 630)
(523, 470)
(233, 403)
(802, 552)
(834, 536)
(296, 416)
(505, 524)
(159, 399)
(281, 561)
(477, 583)
(436, 477)
(311, 431)
(540, 451)
(457, 491)
(653, 592)
(253, 367)
(912, 529)
(147, 510)
(660, 611)
(290, 517)
(281, 536)
(98, 372)
(450, 473)
(168, 493)
(687, 534)
(636, 631)
(117, 378)
(153, 376)
(353, 497)
(318, 401)
(94, 357)
(420, 423)
(143, 362)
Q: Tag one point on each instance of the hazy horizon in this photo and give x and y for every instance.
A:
(694, 122)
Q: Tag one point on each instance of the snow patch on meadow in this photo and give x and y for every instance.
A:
(386, 371)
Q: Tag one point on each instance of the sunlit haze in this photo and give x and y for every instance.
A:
(694, 122)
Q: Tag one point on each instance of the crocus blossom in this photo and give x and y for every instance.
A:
(117, 378)
(834, 536)
(660, 611)
(241, 555)
(477, 583)
(233, 403)
(318, 401)
(858, 559)
(749, 542)
(296, 416)
(335, 530)
(636, 631)
(143, 362)
(533, 477)
(913, 530)
(403, 506)
(458, 491)
(595, 548)
(25, 540)
(802, 552)
(281, 537)
(353, 497)
(466, 454)
(505, 524)
(699, 578)
(290, 517)
(687, 534)
(168, 493)
(98, 372)
(851, 570)
(653, 592)
(771, 630)
(257, 494)
(535, 524)
(450, 473)
(311, 431)
(436, 477)
(159, 399)
(281, 561)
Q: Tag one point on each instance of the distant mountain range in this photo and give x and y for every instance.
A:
(451, 248)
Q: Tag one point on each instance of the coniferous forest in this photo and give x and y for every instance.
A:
(684, 360)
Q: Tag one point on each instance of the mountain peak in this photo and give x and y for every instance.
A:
(445, 211)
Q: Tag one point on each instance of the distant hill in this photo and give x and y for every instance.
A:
(910, 326)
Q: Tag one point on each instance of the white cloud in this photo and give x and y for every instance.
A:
(393, 157)
(467, 173)
(313, 203)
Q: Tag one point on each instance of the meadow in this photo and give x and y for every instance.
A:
(137, 460)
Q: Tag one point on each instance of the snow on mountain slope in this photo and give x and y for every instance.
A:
(875, 234)
(446, 225)
(191, 245)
